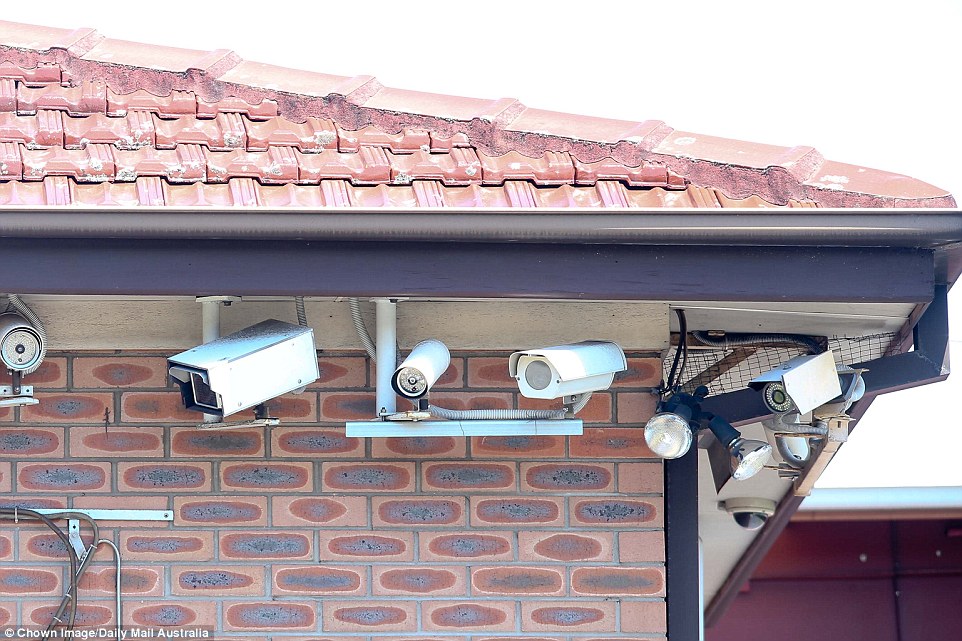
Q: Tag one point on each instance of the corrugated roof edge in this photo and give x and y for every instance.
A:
(739, 169)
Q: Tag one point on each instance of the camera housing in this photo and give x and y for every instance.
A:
(414, 377)
(22, 347)
(566, 370)
(749, 513)
(246, 368)
(800, 384)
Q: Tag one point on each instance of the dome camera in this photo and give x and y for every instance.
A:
(749, 513)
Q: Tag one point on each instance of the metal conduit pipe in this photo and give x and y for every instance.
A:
(821, 227)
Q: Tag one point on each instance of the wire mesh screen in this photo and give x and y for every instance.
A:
(731, 369)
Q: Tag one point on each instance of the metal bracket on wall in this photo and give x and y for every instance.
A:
(73, 525)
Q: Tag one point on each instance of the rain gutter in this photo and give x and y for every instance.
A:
(798, 227)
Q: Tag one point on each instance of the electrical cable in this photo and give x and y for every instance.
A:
(360, 328)
(120, 611)
(681, 352)
(70, 593)
(756, 340)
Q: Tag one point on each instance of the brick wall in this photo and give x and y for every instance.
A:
(303, 531)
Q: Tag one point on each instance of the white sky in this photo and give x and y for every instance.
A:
(870, 83)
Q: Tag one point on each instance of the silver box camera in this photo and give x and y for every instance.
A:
(245, 368)
(800, 384)
(565, 370)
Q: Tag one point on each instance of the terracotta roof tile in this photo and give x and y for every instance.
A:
(107, 122)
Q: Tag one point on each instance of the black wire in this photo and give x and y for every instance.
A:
(71, 555)
(681, 352)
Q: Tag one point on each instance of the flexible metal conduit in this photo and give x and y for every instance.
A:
(17, 303)
(822, 227)
(757, 340)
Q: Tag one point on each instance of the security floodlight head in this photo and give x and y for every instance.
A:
(566, 370)
(800, 384)
(668, 435)
(421, 369)
(245, 368)
(748, 456)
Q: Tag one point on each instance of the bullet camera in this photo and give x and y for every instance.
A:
(421, 369)
(22, 347)
(810, 384)
(749, 513)
(245, 368)
(566, 370)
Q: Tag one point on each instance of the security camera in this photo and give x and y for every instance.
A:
(245, 368)
(566, 370)
(22, 346)
(800, 384)
(749, 513)
(421, 369)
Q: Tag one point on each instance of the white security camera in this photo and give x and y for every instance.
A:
(22, 347)
(421, 369)
(566, 370)
(245, 368)
(749, 513)
(800, 384)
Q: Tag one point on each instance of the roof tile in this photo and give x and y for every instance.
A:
(644, 175)
(8, 94)
(93, 163)
(232, 104)
(310, 136)
(174, 104)
(57, 190)
(405, 141)
(139, 54)
(225, 132)
(368, 166)
(43, 73)
(552, 168)
(44, 130)
(185, 164)
(276, 165)
(307, 83)
(11, 166)
(460, 167)
(107, 195)
(89, 97)
(14, 192)
(291, 195)
(134, 131)
(150, 191)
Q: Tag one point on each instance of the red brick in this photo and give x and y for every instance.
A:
(338, 407)
(489, 372)
(453, 376)
(63, 477)
(641, 372)
(393, 547)
(8, 613)
(128, 442)
(567, 477)
(611, 443)
(635, 408)
(177, 545)
(517, 510)
(31, 442)
(29, 501)
(122, 502)
(467, 476)
(468, 616)
(6, 477)
(265, 544)
(6, 546)
(568, 616)
(267, 476)
(367, 477)
(20, 581)
(598, 409)
(322, 580)
(329, 511)
(71, 407)
(295, 407)
(164, 477)
(617, 512)
(643, 617)
(340, 372)
(514, 580)
(170, 613)
(473, 400)
(88, 615)
(468, 546)
(6, 414)
(641, 478)
(641, 547)
(134, 581)
(435, 581)
(314, 442)
(369, 616)
(119, 371)
(419, 447)
(189, 442)
(52, 373)
(211, 580)
(155, 407)
(270, 616)
(220, 510)
(564, 546)
(518, 446)
(607, 581)
(40, 546)
(418, 511)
